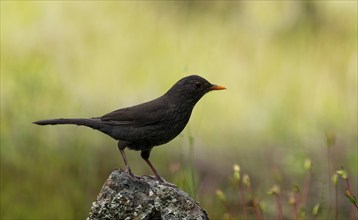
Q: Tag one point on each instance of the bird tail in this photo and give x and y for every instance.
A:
(89, 122)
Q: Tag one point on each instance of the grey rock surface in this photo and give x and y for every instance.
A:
(121, 197)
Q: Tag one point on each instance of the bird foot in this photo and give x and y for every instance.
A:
(131, 175)
(163, 182)
(160, 179)
(169, 184)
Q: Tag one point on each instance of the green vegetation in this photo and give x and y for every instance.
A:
(243, 204)
(291, 72)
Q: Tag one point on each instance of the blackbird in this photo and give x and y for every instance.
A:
(144, 126)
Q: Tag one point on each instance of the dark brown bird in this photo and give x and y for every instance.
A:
(144, 126)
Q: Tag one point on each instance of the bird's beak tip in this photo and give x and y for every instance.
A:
(217, 87)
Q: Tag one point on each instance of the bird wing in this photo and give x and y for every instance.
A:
(148, 113)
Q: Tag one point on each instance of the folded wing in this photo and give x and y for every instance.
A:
(148, 113)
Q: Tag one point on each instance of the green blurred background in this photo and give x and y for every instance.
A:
(290, 68)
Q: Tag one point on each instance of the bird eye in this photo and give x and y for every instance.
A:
(198, 85)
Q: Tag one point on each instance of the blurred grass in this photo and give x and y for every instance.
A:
(290, 69)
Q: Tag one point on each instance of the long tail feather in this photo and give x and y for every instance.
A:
(89, 122)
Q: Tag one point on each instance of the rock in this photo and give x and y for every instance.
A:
(121, 197)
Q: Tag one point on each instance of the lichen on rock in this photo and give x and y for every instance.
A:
(121, 197)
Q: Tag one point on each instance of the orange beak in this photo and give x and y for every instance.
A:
(217, 87)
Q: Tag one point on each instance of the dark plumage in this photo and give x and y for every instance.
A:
(143, 126)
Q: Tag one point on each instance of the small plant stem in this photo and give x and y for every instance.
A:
(306, 189)
(254, 205)
(295, 211)
(348, 188)
(221, 196)
(227, 207)
(242, 198)
(336, 201)
(330, 141)
(298, 197)
(192, 180)
(354, 213)
(329, 160)
(279, 207)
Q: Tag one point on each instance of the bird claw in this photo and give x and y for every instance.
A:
(159, 179)
(131, 175)
(169, 184)
(163, 182)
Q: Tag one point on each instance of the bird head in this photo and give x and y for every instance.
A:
(192, 88)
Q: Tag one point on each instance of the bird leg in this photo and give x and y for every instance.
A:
(128, 169)
(145, 156)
